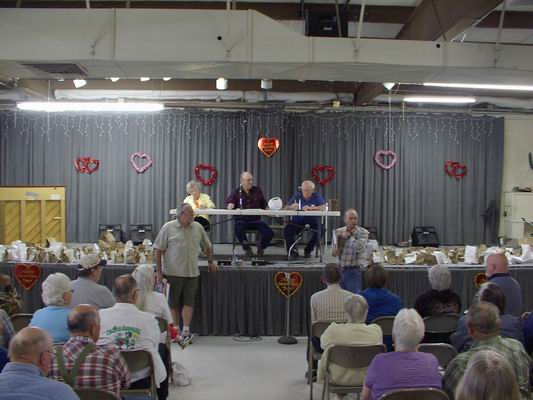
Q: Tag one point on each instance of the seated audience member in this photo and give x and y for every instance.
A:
(497, 271)
(86, 287)
(405, 367)
(381, 302)
(355, 331)
(199, 201)
(440, 299)
(56, 295)
(4, 359)
(24, 377)
(9, 298)
(127, 328)
(6, 329)
(102, 367)
(510, 326)
(488, 376)
(483, 325)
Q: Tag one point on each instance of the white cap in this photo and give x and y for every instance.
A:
(275, 203)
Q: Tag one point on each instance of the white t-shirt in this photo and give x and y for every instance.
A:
(157, 305)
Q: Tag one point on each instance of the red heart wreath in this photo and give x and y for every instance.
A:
(212, 171)
(455, 169)
(320, 168)
(288, 283)
(86, 164)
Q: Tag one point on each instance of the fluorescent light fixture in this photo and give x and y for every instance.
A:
(440, 99)
(388, 85)
(167, 78)
(114, 79)
(78, 83)
(266, 84)
(222, 84)
(481, 86)
(144, 79)
(59, 106)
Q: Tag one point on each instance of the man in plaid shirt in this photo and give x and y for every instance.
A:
(103, 368)
(6, 329)
(483, 323)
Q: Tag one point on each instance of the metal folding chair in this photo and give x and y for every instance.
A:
(416, 394)
(444, 352)
(20, 321)
(317, 329)
(438, 328)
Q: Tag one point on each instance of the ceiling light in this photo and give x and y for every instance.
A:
(78, 83)
(266, 84)
(114, 79)
(481, 86)
(167, 79)
(222, 83)
(389, 85)
(144, 79)
(440, 99)
(59, 106)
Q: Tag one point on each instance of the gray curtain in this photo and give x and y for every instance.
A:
(39, 149)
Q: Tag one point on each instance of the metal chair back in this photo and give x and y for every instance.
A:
(385, 323)
(444, 352)
(20, 321)
(136, 361)
(95, 394)
(415, 394)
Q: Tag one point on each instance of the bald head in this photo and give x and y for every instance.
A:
(32, 346)
(496, 264)
(247, 180)
(83, 320)
(125, 289)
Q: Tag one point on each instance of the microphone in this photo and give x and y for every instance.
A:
(241, 190)
(299, 188)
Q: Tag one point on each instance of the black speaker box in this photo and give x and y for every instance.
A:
(115, 229)
(324, 23)
(372, 232)
(425, 236)
(139, 232)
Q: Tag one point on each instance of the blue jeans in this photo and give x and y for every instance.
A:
(351, 280)
(241, 226)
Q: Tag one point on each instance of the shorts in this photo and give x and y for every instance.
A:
(182, 290)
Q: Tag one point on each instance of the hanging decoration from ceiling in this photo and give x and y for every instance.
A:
(288, 283)
(212, 174)
(138, 156)
(86, 164)
(381, 155)
(319, 169)
(455, 169)
(268, 146)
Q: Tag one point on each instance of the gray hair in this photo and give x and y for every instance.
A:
(440, 277)
(29, 342)
(483, 317)
(356, 308)
(123, 288)
(144, 275)
(54, 287)
(488, 376)
(310, 184)
(190, 185)
(184, 207)
(408, 330)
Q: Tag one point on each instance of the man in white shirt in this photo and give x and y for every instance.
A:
(127, 328)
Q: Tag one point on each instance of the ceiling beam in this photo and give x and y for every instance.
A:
(431, 20)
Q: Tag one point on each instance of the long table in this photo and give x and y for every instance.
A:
(244, 300)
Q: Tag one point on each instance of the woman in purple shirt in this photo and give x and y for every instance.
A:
(405, 367)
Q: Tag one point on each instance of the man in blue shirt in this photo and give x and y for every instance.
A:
(24, 378)
(305, 199)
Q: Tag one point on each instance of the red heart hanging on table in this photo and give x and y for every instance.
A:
(27, 275)
(288, 283)
(455, 169)
(212, 174)
(86, 164)
(380, 155)
(268, 146)
(140, 155)
(320, 168)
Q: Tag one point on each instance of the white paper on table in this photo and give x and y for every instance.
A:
(514, 259)
(410, 258)
(471, 255)
(439, 256)
(527, 253)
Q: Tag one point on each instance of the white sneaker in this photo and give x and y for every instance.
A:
(185, 339)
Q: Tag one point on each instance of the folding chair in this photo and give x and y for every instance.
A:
(438, 328)
(163, 327)
(444, 352)
(349, 356)
(317, 329)
(415, 394)
(386, 324)
(138, 360)
(20, 321)
(94, 394)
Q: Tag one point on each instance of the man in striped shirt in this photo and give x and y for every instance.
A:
(103, 367)
(328, 304)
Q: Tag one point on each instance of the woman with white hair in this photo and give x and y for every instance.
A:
(488, 376)
(199, 201)
(56, 295)
(355, 331)
(405, 367)
(440, 299)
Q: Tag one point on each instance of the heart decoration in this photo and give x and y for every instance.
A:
(212, 171)
(288, 283)
(27, 275)
(380, 156)
(268, 146)
(140, 155)
(86, 164)
(455, 169)
(321, 168)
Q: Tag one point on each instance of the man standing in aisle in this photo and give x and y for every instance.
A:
(177, 247)
(349, 245)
